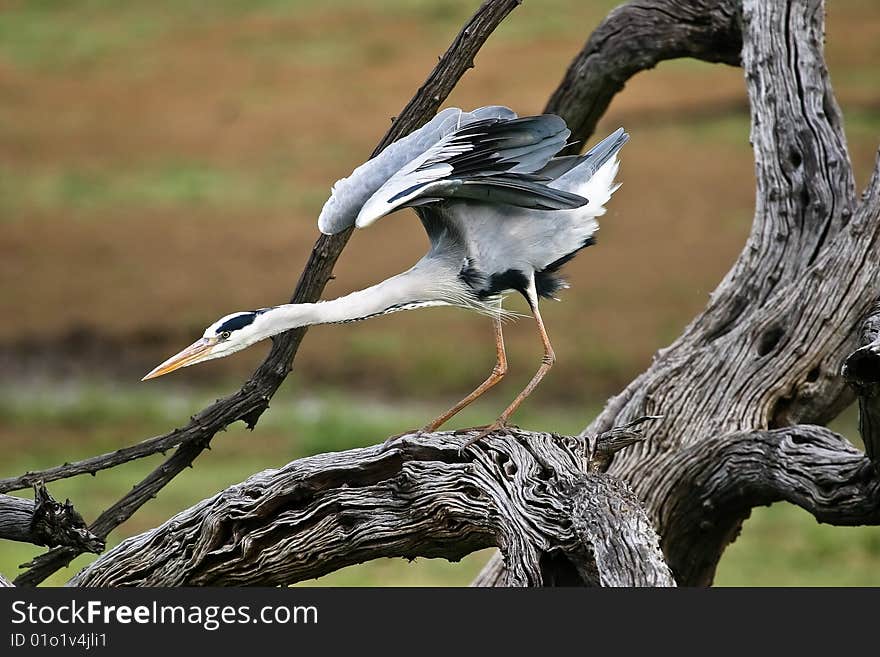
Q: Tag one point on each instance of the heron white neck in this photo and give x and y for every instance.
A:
(402, 292)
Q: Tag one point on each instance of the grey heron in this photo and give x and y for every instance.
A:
(502, 212)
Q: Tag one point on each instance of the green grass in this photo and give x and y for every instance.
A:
(54, 36)
(40, 427)
(166, 185)
(785, 546)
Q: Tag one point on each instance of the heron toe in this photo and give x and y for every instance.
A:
(499, 425)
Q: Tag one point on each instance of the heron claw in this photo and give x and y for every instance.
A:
(415, 433)
(499, 426)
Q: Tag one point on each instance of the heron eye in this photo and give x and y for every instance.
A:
(225, 335)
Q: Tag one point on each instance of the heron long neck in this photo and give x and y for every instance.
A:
(412, 289)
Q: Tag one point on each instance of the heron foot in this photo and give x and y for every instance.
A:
(461, 432)
(498, 426)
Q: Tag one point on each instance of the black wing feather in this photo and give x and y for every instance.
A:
(484, 171)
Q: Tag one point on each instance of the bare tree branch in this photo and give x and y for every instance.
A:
(248, 403)
(44, 521)
(598, 452)
(92, 465)
(423, 496)
(714, 484)
(45, 564)
(635, 37)
(806, 465)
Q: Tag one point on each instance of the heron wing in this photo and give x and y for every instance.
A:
(491, 159)
(588, 163)
(348, 195)
(496, 248)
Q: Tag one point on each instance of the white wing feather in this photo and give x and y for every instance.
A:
(348, 195)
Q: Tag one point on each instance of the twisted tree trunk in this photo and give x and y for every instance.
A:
(764, 358)
(422, 496)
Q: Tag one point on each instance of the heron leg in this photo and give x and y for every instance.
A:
(497, 374)
(546, 363)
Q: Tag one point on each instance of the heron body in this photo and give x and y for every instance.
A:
(502, 214)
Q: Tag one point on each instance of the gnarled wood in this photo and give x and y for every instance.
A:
(767, 351)
(422, 496)
(45, 521)
(740, 364)
(713, 485)
(862, 371)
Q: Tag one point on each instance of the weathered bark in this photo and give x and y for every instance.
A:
(252, 399)
(423, 496)
(44, 521)
(713, 485)
(710, 487)
(862, 371)
(767, 351)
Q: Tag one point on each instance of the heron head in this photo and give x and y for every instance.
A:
(224, 337)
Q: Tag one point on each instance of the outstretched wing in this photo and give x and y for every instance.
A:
(590, 162)
(491, 160)
(349, 194)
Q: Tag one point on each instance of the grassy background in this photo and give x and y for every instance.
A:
(162, 164)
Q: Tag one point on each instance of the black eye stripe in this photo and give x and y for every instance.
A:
(237, 322)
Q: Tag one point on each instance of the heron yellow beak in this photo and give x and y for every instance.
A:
(194, 353)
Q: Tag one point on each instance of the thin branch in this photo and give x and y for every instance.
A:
(45, 564)
(148, 447)
(602, 448)
(248, 403)
(423, 496)
(44, 521)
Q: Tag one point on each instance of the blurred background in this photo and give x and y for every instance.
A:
(163, 164)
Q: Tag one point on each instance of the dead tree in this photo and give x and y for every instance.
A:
(786, 339)
(45, 521)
